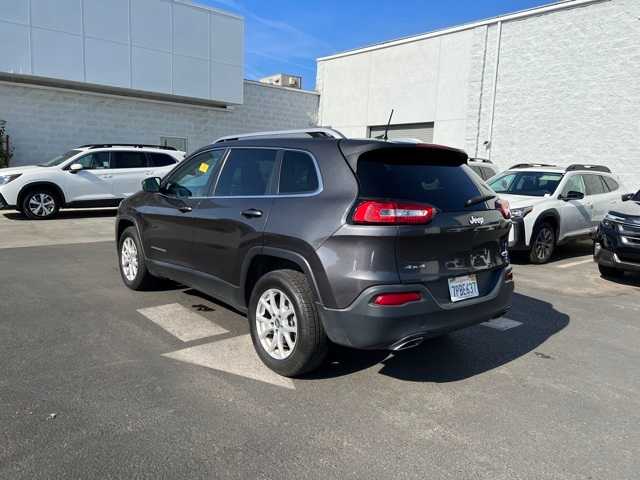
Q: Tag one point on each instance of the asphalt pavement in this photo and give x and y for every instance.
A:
(98, 381)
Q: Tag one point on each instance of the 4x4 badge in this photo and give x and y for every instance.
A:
(476, 220)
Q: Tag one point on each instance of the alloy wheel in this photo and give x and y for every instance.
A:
(543, 246)
(276, 324)
(129, 259)
(42, 204)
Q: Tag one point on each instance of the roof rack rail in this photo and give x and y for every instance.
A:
(316, 132)
(132, 145)
(483, 160)
(595, 168)
(531, 165)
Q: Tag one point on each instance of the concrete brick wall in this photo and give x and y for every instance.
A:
(567, 92)
(46, 122)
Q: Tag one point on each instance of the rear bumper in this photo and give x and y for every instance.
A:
(367, 326)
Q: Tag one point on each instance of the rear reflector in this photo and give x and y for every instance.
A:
(394, 213)
(395, 299)
(503, 206)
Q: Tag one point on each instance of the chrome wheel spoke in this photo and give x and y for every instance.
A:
(276, 324)
(129, 262)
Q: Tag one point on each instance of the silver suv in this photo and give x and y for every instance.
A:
(485, 168)
(552, 205)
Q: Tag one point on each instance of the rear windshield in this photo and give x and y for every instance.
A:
(419, 178)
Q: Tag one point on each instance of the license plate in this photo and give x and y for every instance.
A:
(463, 288)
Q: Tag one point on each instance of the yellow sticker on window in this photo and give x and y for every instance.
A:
(204, 168)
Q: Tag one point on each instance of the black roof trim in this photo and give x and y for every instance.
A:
(531, 165)
(594, 168)
(480, 160)
(133, 145)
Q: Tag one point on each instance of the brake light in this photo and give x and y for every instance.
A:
(395, 299)
(394, 213)
(503, 206)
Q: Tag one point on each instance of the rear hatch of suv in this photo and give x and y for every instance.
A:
(451, 232)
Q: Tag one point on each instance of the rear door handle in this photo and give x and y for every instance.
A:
(185, 209)
(252, 213)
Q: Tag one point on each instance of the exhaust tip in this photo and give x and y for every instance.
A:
(414, 342)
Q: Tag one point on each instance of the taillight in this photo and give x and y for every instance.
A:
(503, 206)
(396, 299)
(395, 213)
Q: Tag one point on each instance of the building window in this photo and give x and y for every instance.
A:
(176, 142)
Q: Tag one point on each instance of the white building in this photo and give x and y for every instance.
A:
(138, 71)
(557, 84)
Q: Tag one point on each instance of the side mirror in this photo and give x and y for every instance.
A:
(75, 168)
(573, 195)
(151, 185)
(628, 196)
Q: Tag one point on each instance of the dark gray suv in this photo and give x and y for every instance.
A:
(365, 243)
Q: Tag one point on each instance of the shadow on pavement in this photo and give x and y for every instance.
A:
(459, 355)
(563, 252)
(67, 215)
(625, 278)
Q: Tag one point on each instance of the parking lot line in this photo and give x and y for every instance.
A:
(575, 264)
(503, 324)
(234, 355)
(181, 322)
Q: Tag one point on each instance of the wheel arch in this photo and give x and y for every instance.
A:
(551, 216)
(124, 222)
(41, 184)
(262, 260)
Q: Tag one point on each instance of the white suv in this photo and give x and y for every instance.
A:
(552, 205)
(85, 177)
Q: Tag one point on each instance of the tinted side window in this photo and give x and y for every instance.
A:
(594, 184)
(418, 177)
(298, 174)
(612, 185)
(193, 179)
(479, 171)
(94, 161)
(128, 160)
(161, 160)
(247, 172)
(575, 184)
(488, 172)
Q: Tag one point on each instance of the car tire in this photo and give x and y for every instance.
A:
(40, 204)
(609, 272)
(543, 243)
(293, 343)
(131, 262)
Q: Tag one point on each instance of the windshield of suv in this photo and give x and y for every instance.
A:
(59, 159)
(636, 197)
(530, 184)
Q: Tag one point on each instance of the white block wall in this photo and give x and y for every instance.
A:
(160, 46)
(568, 89)
(44, 122)
(423, 81)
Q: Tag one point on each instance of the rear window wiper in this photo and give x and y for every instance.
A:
(479, 199)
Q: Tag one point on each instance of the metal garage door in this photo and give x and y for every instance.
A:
(421, 131)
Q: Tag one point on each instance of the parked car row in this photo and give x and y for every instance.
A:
(552, 205)
(370, 244)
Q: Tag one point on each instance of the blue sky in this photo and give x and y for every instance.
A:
(287, 36)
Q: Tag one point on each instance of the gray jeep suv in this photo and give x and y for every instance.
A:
(365, 243)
